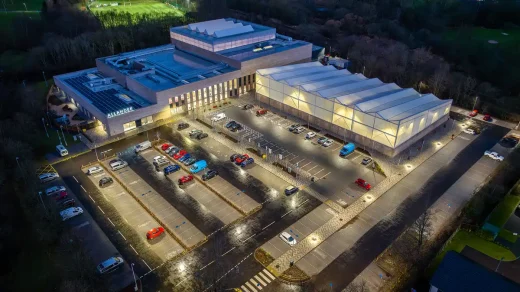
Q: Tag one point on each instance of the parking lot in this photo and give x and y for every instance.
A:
(173, 220)
(214, 204)
(136, 216)
(299, 230)
(334, 176)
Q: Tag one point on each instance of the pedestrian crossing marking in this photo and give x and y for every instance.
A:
(264, 277)
(255, 284)
(268, 274)
(260, 280)
(251, 287)
(244, 288)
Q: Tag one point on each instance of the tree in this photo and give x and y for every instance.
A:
(423, 228)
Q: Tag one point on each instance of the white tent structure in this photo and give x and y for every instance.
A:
(379, 115)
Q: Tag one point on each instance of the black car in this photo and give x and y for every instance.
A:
(67, 203)
(209, 175)
(236, 127)
(105, 181)
(195, 133)
(183, 126)
(291, 190)
(294, 127)
(202, 136)
(248, 106)
(233, 157)
(230, 124)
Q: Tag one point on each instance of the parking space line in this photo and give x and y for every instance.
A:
(91, 199)
(83, 189)
(312, 168)
(147, 265)
(306, 164)
(111, 222)
(319, 171)
(300, 161)
(325, 175)
(75, 179)
(101, 210)
(122, 235)
(206, 266)
(134, 250)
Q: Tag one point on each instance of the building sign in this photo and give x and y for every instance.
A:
(120, 112)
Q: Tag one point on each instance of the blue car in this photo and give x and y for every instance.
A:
(185, 157)
(246, 162)
(171, 169)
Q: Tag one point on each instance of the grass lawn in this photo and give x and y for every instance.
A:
(138, 6)
(7, 18)
(503, 210)
(18, 4)
(463, 238)
(507, 235)
(477, 36)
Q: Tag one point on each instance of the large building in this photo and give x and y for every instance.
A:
(205, 63)
(380, 116)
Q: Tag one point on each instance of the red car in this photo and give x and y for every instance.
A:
(154, 232)
(179, 154)
(487, 118)
(185, 179)
(362, 183)
(241, 158)
(61, 195)
(261, 112)
(165, 146)
(473, 113)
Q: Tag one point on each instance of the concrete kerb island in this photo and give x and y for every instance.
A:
(197, 178)
(172, 234)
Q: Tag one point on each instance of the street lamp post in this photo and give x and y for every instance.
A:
(135, 280)
(475, 104)
(43, 122)
(59, 138)
(44, 207)
(65, 140)
(95, 150)
(45, 79)
(25, 7)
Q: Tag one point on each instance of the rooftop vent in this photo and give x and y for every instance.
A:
(125, 98)
(153, 78)
(91, 76)
(201, 77)
(185, 82)
(216, 72)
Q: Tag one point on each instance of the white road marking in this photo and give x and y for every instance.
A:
(312, 168)
(122, 234)
(147, 265)
(101, 210)
(134, 250)
(256, 284)
(325, 175)
(300, 161)
(268, 225)
(75, 179)
(252, 287)
(244, 288)
(260, 280)
(206, 266)
(228, 251)
(83, 188)
(319, 171)
(81, 225)
(268, 274)
(264, 277)
(111, 222)
(91, 199)
(248, 238)
(306, 164)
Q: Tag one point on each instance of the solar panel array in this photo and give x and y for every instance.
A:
(106, 101)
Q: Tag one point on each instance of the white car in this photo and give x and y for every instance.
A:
(70, 212)
(299, 130)
(310, 135)
(54, 190)
(327, 143)
(469, 131)
(218, 117)
(45, 177)
(494, 155)
(159, 157)
(288, 238)
(94, 170)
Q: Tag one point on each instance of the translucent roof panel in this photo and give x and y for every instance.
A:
(298, 73)
(274, 70)
(391, 113)
(419, 109)
(347, 88)
(367, 94)
(238, 29)
(201, 26)
(332, 82)
(309, 78)
(386, 101)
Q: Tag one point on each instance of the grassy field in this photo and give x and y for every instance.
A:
(7, 18)
(19, 4)
(504, 209)
(464, 238)
(137, 6)
(477, 36)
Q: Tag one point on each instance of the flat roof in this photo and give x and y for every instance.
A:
(222, 30)
(166, 67)
(103, 93)
(388, 101)
(262, 49)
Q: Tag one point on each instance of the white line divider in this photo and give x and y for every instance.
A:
(75, 179)
(134, 250)
(122, 235)
(111, 222)
(269, 225)
(83, 189)
(101, 210)
(91, 199)
(206, 265)
(228, 251)
(147, 265)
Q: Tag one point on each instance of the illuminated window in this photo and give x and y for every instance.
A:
(146, 120)
(129, 126)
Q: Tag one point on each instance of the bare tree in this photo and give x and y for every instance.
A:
(423, 228)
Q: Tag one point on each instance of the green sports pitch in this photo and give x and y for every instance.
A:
(137, 6)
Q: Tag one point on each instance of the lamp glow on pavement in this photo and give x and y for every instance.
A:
(182, 266)
(438, 144)
(293, 203)
(409, 167)
(273, 193)
(368, 198)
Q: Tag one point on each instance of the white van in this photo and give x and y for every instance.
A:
(218, 117)
(45, 177)
(94, 170)
(143, 146)
(70, 212)
(62, 151)
(117, 164)
(110, 265)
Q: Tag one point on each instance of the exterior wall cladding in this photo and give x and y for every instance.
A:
(344, 134)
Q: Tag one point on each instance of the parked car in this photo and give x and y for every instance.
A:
(236, 127)
(247, 106)
(362, 183)
(218, 117)
(310, 135)
(321, 140)
(172, 150)
(185, 179)
(493, 155)
(189, 161)
(182, 126)
(160, 162)
(366, 161)
(165, 146)
(118, 164)
(294, 127)
(171, 169)
(509, 141)
(241, 158)
(261, 112)
(473, 113)
(47, 177)
(70, 213)
(67, 203)
(487, 118)
(61, 195)
(105, 181)
(54, 190)
(179, 154)
(94, 170)
(327, 143)
(299, 130)
(246, 162)
(291, 190)
(185, 157)
(198, 166)
(202, 136)
(230, 124)
(469, 131)
(347, 149)
(287, 238)
(154, 232)
(110, 265)
(209, 175)
(143, 146)
(195, 132)
(233, 157)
